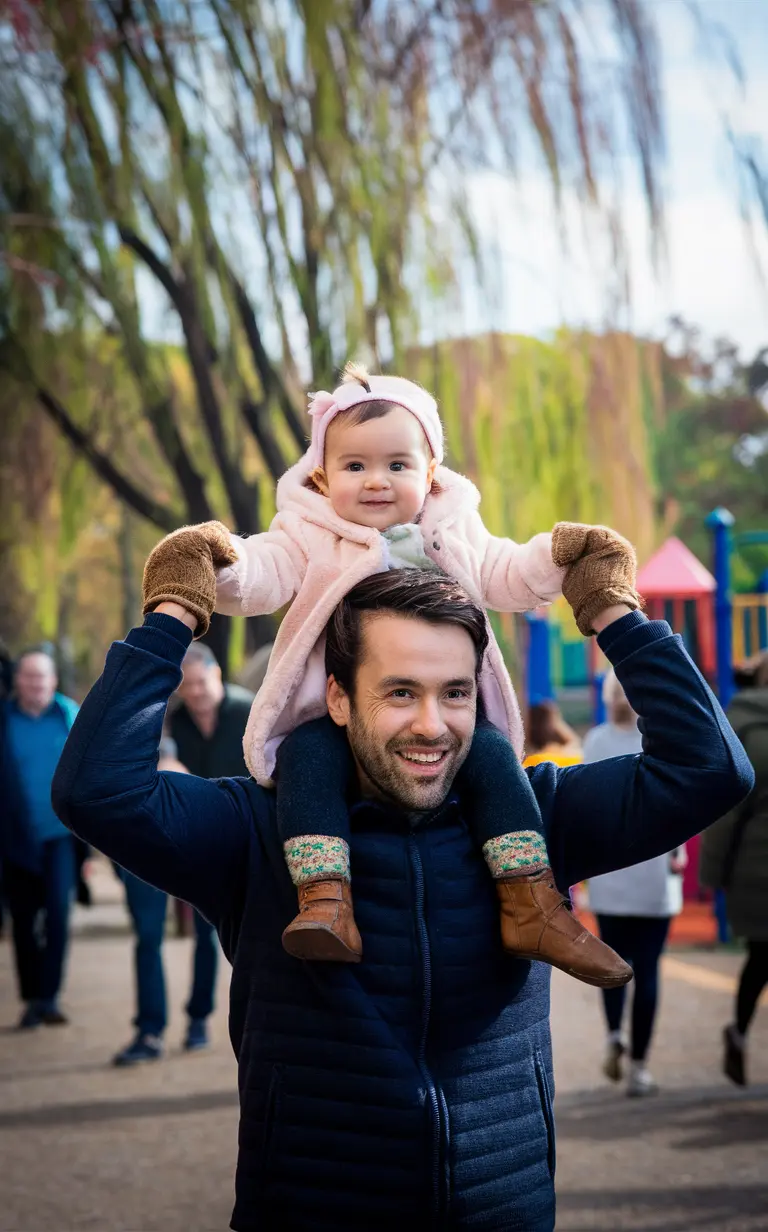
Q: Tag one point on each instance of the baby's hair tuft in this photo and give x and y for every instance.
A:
(356, 373)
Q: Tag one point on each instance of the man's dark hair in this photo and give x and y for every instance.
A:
(433, 597)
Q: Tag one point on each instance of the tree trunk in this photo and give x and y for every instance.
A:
(129, 590)
(64, 645)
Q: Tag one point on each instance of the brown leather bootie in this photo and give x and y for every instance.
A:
(538, 922)
(325, 929)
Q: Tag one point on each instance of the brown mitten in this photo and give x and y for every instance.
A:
(601, 570)
(182, 569)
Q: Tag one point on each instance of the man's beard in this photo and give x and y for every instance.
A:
(384, 770)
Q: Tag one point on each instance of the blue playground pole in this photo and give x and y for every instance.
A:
(720, 522)
(598, 705)
(539, 677)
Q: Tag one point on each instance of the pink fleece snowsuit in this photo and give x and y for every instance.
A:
(314, 557)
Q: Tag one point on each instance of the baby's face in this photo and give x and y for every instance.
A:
(377, 473)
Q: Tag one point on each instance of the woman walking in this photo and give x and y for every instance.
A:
(734, 857)
(633, 907)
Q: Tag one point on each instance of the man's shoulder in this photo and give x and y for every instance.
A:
(236, 695)
(67, 705)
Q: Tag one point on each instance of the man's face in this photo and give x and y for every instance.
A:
(201, 687)
(35, 683)
(411, 719)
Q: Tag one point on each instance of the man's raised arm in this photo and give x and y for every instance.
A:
(623, 810)
(693, 769)
(183, 834)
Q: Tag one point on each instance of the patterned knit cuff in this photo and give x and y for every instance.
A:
(524, 851)
(316, 857)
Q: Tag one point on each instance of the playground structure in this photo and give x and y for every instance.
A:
(719, 629)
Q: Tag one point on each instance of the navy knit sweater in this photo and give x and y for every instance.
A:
(416, 1088)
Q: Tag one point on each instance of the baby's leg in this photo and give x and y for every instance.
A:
(502, 806)
(536, 919)
(313, 768)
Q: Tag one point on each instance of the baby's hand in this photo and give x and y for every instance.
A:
(182, 569)
(601, 570)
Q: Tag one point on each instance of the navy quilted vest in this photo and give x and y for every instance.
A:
(415, 1088)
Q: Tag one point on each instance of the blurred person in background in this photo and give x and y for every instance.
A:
(205, 738)
(6, 683)
(633, 907)
(549, 737)
(148, 908)
(6, 671)
(209, 723)
(252, 673)
(734, 857)
(36, 850)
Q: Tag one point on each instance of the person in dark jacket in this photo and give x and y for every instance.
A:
(206, 738)
(36, 851)
(415, 1087)
(734, 856)
(6, 684)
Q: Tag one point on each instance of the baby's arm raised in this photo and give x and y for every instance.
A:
(267, 574)
(517, 577)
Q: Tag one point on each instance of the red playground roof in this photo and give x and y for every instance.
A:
(674, 573)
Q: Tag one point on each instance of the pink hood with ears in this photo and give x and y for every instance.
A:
(324, 407)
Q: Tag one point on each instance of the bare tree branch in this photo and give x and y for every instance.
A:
(154, 264)
(161, 515)
(256, 415)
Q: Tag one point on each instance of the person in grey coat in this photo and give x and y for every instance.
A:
(734, 857)
(634, 907)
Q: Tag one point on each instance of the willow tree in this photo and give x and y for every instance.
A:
(267, 186)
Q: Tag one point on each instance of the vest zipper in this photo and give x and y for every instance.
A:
(426, 970)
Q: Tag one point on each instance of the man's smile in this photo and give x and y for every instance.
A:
(422, 761)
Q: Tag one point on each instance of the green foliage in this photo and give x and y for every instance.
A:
(258, 184)
(548, 429)
(712, 450)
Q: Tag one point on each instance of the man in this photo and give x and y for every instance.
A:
(416, 1087)
(36, 851)
(206, 739)
(209, 723)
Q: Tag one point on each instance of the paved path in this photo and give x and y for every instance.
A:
(84, 1146)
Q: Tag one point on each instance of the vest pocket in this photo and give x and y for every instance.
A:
(545, 1098)
(271, 1110)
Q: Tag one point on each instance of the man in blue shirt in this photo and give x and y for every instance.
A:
(414, 1088)
(36, 850)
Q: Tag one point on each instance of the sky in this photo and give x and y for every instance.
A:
(532, 284)
(709, 276)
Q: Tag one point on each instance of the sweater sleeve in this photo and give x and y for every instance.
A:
(267, 574)
(186, 835)
(692, 770)
(518, 577)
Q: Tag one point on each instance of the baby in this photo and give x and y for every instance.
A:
(371, 494)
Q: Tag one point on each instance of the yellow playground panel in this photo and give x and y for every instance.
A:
(750, 625)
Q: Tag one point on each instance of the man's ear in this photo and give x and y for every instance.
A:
(320, 480)
(337, 701)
